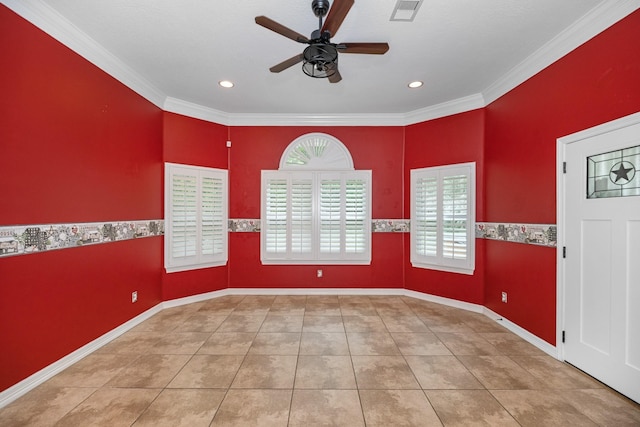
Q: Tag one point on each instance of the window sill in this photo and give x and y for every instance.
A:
(446, 268)
(315, 262)
(176, 269)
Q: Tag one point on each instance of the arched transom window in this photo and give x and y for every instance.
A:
(316, 151)
(316, 208)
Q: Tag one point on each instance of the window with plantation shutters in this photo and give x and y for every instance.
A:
(443, 218)
(195, 217)
(316, 209)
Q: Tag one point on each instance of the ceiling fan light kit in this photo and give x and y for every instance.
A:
(320, 58)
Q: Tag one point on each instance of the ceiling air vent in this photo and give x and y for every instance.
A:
(405, 10)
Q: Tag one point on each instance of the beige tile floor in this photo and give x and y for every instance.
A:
(319, 361)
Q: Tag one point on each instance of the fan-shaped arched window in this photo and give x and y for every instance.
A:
(316, 151)
(316, 208)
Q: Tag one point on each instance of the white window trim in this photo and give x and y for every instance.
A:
(315, 256)
(315, 157)
(438, 262)
(199, 260)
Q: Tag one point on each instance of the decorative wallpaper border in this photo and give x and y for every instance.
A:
(28, 239)
(390, 226)
(532, 234)
(244, 225)
(377, 225)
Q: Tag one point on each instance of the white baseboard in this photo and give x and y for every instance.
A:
(12, 393)
(317, 291)
(522, 333)
(194, 298)
(282, 291)
(477, 308)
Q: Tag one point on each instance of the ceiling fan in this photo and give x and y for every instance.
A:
(320, 58)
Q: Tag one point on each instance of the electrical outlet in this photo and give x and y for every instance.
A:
(319, 273)
(134, 296)
(504, 297)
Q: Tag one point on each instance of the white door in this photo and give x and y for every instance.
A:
(602, 264)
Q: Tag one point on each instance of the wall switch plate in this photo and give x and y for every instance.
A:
(319, 273)
(504, 297)
(134, 296)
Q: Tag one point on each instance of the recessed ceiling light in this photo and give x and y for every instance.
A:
(416, 84)
(225, 83)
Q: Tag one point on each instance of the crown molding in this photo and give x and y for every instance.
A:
(460, 105)
(593, 23)
(197, 111)
(51, 22)
(338, 119)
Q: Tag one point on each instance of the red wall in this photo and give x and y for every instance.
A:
(594, 84)
(379, 149)
(448, 140)
(76, 146)
(194, 142)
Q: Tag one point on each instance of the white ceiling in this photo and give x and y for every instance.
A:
(467, 52)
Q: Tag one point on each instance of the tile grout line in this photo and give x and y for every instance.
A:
(412, 371)
(353, 369)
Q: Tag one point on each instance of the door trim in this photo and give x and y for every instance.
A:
(561, 146)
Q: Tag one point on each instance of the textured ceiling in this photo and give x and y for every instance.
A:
(459, 48)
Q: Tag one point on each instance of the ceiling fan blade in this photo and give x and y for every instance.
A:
(335, 77)
(286, 64)
(336, 15)
(281, 29)
(370, 48)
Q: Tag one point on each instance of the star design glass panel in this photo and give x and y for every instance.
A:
(614, 174)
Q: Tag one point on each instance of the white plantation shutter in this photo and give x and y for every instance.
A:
(184, 207)
(443, 218)
(275, 216)
(357, 220)
(425, 217)
(330, 215)
(214, 224)
(316, 217)
(301, 215)
(195, 217)
(454, 216)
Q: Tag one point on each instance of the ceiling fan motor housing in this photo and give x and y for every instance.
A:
(321, 37)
